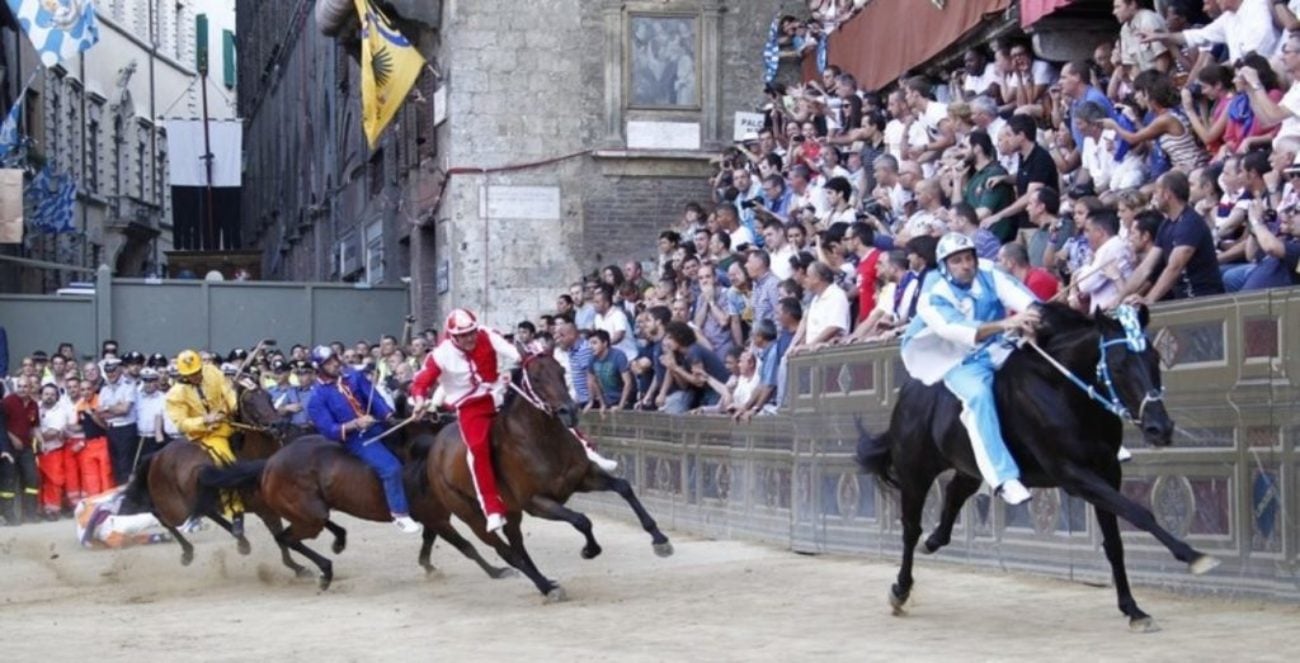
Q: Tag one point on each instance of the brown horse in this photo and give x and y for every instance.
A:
(539, 464)
(172, 483)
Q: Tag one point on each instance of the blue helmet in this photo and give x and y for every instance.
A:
(321, 354)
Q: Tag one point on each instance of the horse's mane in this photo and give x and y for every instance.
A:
(1062, 326)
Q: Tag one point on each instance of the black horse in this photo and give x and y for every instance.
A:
(1063, 431)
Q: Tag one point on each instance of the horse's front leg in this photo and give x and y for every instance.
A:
(959, 490)
(599, 480)
(545, 507)
(1102, 495)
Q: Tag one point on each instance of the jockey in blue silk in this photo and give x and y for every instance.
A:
(345, 408)
(958, 336)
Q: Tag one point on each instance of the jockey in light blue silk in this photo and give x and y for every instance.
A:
(958, 336)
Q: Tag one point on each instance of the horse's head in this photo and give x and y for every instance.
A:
(1128, 373)
(542, 382)
(255, 406)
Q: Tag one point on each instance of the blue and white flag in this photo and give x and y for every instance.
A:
(59, 29)
(53, 198)
(10, 141)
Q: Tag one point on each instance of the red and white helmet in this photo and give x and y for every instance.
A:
(461, 321)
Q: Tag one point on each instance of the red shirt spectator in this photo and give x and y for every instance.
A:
(1041, 283)
(867, 274)
(21, 417)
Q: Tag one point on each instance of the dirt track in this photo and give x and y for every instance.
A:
(712, 601)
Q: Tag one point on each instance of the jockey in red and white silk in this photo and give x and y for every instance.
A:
(472, 366)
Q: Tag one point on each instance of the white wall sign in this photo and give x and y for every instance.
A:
(523, 202)
(747, 126)
(444, 277)
(663, 135)
(440, 105)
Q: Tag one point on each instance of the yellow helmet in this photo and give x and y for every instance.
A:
(188, 362)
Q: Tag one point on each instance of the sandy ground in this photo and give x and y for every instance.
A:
(712, 601)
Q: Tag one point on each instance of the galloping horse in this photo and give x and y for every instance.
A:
(539, 463)
(1063, 430)
(314, 475)
(172, 482)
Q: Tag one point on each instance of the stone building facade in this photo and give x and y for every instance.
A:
(535, 149)
(100, 117)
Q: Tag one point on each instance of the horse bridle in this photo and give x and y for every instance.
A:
(1136, 341)
(526, 391)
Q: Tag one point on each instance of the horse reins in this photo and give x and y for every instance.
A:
(1136, 341)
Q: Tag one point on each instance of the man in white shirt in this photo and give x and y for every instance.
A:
(774, 242)
(931, 217)
(612, 319)
(60, 477)
(896, 129)
(1245, 27)
(117, 407)
(931, 133)
(981, 76)
(984, 114)
(151, 410)
(828, 314)
(1112, 262)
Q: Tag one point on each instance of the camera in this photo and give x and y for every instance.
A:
(874, 208)
(748, 204)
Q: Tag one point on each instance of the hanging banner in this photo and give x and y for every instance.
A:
(11, 206)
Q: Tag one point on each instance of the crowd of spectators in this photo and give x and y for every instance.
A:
(1162, 167)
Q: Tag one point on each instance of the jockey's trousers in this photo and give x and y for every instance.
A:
(972, 383)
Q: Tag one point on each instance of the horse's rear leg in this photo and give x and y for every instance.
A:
(187, 548)
(514, 553)
(913, 503)
(959, 490)
(290, 538)
(240, 540)
(545, 507)
(1102, 495)
(274, 525)
(598, 480)
(340, 536)
(431, 533)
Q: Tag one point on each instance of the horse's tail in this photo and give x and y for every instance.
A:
(136, 498)
(415, 474)
(874, 454)
(245, 474)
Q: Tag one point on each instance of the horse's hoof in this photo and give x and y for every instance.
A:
(301, 573)
(243, 547)
(591, 552)
(1203, 564)
(497, 574)
(429, 569)
(338, 546)
(897, 602)
(187, 557)
(325, 581)
(930, 547)
(1143, 625)
(556, 595)
(664, 549)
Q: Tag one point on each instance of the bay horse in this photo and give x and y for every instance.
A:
(179, 481)
(539, 463)
(313, 475)
(1063, 430)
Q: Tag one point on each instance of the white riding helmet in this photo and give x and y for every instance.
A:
(950, 245)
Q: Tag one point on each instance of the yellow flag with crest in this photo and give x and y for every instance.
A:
(390, 63)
